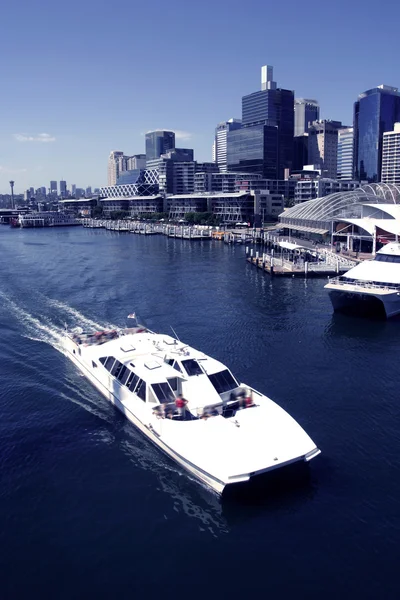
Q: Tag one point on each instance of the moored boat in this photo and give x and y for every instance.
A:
(372, 288)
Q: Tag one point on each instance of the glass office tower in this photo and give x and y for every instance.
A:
(267, 115)
(159, 142)
(376, 111)
(254, 150)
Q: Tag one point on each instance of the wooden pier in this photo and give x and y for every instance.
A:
(327, 264)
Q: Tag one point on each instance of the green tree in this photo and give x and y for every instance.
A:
(97, 212)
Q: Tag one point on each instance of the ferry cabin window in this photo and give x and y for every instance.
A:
(141, 390)
(173, 382)
(132, 382)
(117, 366)
(123, 377)
(103, 359)
(192, 367)
(109, 363)
(94, 364)
(170, 361)
(177, 367)
(223, 381)
(163, 392)
(121, 372)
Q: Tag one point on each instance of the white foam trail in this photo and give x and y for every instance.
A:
(81, 320)
(42, 331)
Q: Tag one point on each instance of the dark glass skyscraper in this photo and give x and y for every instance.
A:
(159, 142)
(375, 112)
(254, 150)
(268, 108)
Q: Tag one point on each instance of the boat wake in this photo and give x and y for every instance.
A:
(49, 329)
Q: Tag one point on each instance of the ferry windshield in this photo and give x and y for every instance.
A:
(393, 258)
(192, 367)
(223, 381)
(163, 392)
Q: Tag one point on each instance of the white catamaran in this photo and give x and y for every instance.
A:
(190, 405)
(372, 288)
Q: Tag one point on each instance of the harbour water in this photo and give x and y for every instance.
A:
(89, 509)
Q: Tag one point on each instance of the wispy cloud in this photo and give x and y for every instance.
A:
(40, 137)
(11, 171)
(179, 134)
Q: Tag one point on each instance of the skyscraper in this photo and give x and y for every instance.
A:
(305, 112)
(63, 189)
(53, 187)
(391, 156)
(113, 169)
(159, 142)
(265, 142)
(376, 111)
(220, 143)
(323, 146)
(345, 153)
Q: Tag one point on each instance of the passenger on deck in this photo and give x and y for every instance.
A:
(180, 403)
(159, 411)
(169, 410)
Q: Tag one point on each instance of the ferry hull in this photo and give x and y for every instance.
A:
(365, 304)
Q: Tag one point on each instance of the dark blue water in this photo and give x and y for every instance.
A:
(89, 509)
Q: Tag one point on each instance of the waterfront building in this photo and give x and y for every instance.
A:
(230, 208)
(134, 206)
(73, 189)
(203, 176)
(375, 112)
(158, 142)
(345, 153)
(323, 145)
(226, 182)
(391, 156)
(175, 171)
(88, 192)
(137, 161)
(284, 188)
(114, 166)
(305, 112)
(146, 185)
(355, 218)
(318, 187)
(214, 152)
(221, 141)
(264, 144)
(80, 207)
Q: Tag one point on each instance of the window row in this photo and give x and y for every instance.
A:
(125, 376)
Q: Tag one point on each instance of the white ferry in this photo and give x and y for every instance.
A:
(372, 288)
(46, 219)
(190, 405)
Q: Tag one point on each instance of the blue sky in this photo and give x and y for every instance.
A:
(82, 78)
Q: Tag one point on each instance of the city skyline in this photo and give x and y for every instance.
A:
(67, 107)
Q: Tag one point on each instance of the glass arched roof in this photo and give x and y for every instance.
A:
(324, 210)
